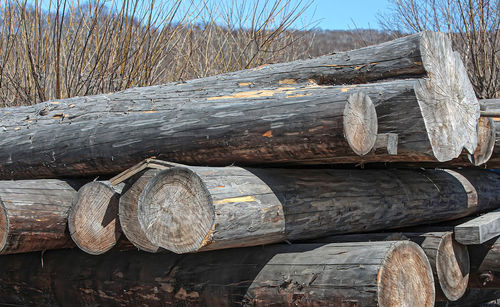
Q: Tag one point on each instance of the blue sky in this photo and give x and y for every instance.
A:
(347, 14)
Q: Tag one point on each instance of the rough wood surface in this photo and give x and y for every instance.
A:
(494, 105)
(34, 213)
(449, 259)
(435, 117)
(128, 210)
(485, 264)
(480, 229)
(188, 209)
(346, 274)
(474, 298)
(93, 219)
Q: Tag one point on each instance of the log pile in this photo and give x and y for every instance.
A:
(268, 186)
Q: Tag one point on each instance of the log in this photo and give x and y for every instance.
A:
(474, 298)
(93, 219)
(34, 214)
(480, 229)
(449, 259)
(128, 210)
(485, 264)
(359, 274)
(190, 209)
(494, 106)
(286, 113)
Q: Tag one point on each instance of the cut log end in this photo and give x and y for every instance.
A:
(4, 226)
(176, 211)
(485, 141)
(447, 99)
(360, 123)
(128, 211)
(452, 267)
(405, 278)
(93, 219)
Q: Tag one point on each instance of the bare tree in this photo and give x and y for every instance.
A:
(473, 26)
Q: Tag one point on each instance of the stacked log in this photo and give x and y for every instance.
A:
(360, 274)
(93, 219)
(34, 213)
(493, 106)
(294, 135)
(295, 113)
(189, 209)
(449, 259)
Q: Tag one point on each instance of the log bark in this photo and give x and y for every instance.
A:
(189, 209)
(33, 215)
(449, 259)
(93, 219)
(348, 274)
(474, 298)
(432, 125)
(128, 210)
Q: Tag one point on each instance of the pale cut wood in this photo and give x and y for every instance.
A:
(480, 229)
(345, 274)
(444, 124)
(128, 209)
(387, 142)
(33, 214)
(93, 219)
(493, 105)
(190, 209)
(449, 259)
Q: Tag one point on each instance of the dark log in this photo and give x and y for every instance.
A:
(93, 219)
(128, 210)
(286, 113)
(485, 264)
(449, 259)
(34, 214)
(345, 274)
(188, 209)
(474, 298)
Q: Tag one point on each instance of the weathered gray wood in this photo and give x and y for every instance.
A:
(188, 209)
(493, 105)
(480, 229)
(149, 163)
(33, 214)
(128, 210)
(434, 116)
(345, 274)
(93, 219)
(387, 142)
(449, 259)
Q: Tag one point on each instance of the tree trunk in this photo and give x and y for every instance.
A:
(128, 210)
(285, 113)
(345, 274)
(93, 218)
(189, 209)
(449, 259)
(34, 214)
